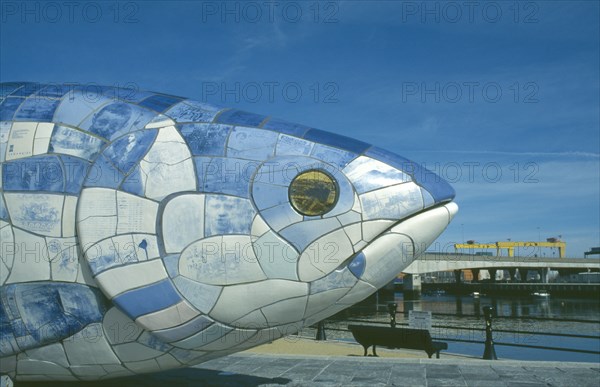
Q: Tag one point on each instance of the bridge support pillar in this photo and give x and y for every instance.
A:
(475, 273)
(544, 275)
(457, 276)
(513, 274)
(412, 286)
(492, 274)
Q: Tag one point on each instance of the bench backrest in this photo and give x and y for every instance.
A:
(392, 337)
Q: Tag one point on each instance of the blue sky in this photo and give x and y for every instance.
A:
(500, 98)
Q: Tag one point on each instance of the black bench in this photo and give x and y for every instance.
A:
(369, 335)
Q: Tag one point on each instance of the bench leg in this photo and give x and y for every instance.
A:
(374, 352)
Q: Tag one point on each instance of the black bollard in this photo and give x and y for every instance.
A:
(321, 331)
(392, 306)
(490, 352)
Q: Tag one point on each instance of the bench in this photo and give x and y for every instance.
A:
(369, 335)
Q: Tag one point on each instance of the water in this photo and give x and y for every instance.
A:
(534, 317)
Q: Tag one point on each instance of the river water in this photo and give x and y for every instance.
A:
(538, 320)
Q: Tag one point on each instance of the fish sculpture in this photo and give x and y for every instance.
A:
(142, 231)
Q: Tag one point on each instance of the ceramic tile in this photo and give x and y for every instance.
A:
(259, 226)
(135, 214)
(304, 233)
(428, 200)
(238, 300)
(103, 173)
(220, 260)
(38, 173)
(206, 139)
(4, 133)
(135, 352)
(36, 109)
(159, 121)
(289, 145)
(74, 142)
(254, 319)
(277, 258)
(286, 311)
(127, 151)
(160, 102)
(386, 258)
(202, 296)
(227, 215)
(165, 179)
(101, 256)
(373, 228)
(282, 216)
(146, 246)
(213, 332)
(395, 202)
(229, 176)
(286, 127)
(340, 278)
(354, 232)
(167, 318)
(239, 117)
(191, 111)
(323, 300)
(359, 292)
(68, 216)
(125, 278)
(116, 119)
(135, 183)
(31, 261)
(182, 331)
(269, 195)
(249, 143)
(8, 107)
(325, 255)
(367, 174)
(229, 340)
(336, 140)
(339, 158)
(38, 213)
(55, 352)
(42, 138)
(38, 367)
(148, 299)
(64, 258)
(183, 221)
(118, 328)
(76, 171)
(74, 109)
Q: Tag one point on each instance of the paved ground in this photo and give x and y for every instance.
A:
(257, 369)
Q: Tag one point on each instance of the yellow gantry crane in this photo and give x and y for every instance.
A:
(510, 246)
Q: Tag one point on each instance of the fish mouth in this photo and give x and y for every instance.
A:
(397, 247)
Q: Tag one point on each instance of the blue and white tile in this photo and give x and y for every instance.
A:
(349, 217)
(277, 258)
(182, 331)
(160, 102)
(386, 258)
(135, 182)
(395, 202)
(45, 369)
(227, 215)
(64, 258)
(82, 350)
(359, 292)
(221, 260)
(97, 215)
(290, 145)
(202, 296)
(116, 119)
(8, 107)
(367, 174)
(341, 278)
(168, 166)
(304, 233)
(253, 144)
(192, 111)
(37, 109)
(323, 300)
(68, 216)
(159, 121)
(286, 127)
(7, 253)
(229, 176)
(206, 139)
(135, 214)
(38, 213)
(42, 138)
(135, 352)
(74, 109)
(119, 328)
(20, 140)
(239, 117)
(124, 278)
(238, 300)
(259, 226)
(254, 319)
(232, 339)
(354, 232)
(76, 170)
(214, 332)
(282, 216)
(38, 173)
(55, 352)
(101, 256)
(103, 173)
(285, 311)
(183, 221)
(3, 210)
(373, 228)
(146, 246)
(428, 200)
(4, 134)
(126, 152)
(269, 195)
(334, 156)
(168, 318)
(324, 255)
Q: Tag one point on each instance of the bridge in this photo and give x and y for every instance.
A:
(457, 262)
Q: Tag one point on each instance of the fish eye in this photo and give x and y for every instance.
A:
(313, 192)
